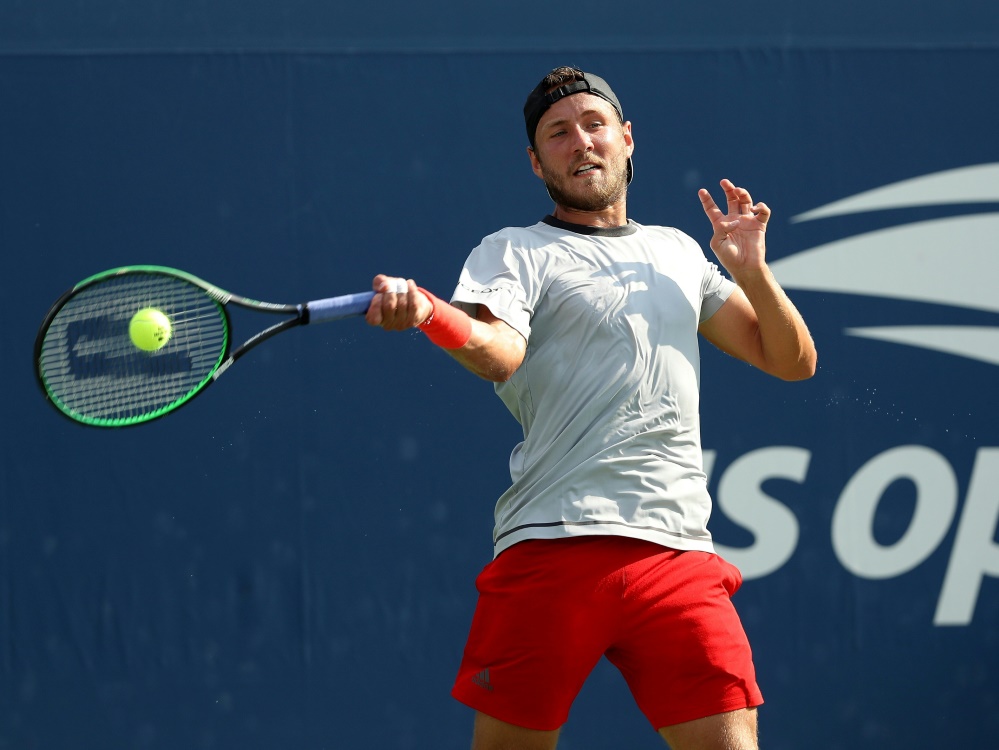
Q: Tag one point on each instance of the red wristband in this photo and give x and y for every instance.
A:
(447, 326)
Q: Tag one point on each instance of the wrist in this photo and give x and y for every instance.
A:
(750, 276)
(447, 326)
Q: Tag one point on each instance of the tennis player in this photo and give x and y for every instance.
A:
(587, 322)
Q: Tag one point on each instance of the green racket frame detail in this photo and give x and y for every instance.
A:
(53, 357)
(92, 372)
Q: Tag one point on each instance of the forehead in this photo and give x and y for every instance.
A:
(573, 106)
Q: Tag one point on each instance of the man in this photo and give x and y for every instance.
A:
(587, 323)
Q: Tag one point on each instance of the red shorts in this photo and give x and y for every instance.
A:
(549, 609)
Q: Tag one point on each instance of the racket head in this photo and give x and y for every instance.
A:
(92, 372)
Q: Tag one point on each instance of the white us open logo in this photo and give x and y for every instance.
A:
(942, 261)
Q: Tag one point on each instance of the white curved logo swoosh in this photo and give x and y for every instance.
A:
(973, 342)
(977, 184)
(946, 261)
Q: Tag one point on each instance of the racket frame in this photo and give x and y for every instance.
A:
(300, 315)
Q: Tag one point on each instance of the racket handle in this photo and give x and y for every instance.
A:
(334, 308)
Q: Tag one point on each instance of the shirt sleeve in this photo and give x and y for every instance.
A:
(497, 275)
(715, 291)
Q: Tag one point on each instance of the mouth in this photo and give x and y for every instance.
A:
(586, 169)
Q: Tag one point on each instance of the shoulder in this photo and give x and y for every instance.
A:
(670, 242)
(668, 235)
(513, 247)
(535, 234)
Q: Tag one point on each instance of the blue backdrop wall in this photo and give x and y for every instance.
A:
(289, 561)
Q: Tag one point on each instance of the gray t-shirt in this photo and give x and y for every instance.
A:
(608, 391)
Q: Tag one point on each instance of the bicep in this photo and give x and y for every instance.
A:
(735, 330)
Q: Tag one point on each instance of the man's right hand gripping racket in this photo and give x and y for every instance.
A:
(132, 344)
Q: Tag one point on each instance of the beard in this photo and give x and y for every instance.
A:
(590, 194)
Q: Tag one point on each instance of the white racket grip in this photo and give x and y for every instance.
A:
(334, 308)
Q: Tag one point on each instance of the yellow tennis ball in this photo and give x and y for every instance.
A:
(150, 329)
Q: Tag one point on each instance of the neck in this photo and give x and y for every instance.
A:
(615, 215)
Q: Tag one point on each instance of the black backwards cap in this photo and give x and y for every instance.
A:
(541, 99)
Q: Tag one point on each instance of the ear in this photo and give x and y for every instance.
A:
(629, 139)
(535, 162)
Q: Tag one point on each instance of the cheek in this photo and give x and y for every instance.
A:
(617, 140)
(535, 164)
(546, 159)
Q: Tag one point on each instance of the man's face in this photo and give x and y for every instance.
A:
(581, 152)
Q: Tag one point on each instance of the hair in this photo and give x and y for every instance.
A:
(562, 76)
(567, 74)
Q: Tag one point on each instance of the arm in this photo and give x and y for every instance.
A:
(493, 351)
(758, 323)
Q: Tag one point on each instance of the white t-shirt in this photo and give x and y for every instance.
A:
(608, 391)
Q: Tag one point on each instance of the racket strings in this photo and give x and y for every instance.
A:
(92, 369)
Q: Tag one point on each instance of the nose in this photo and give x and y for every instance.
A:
(582, 140)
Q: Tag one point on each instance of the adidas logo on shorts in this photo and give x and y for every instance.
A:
(482, 680)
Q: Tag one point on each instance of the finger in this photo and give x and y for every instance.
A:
(374, 314)
(395, 307)
(722, 232)
(731, 195)
(414, 297)
(745, 201)
(391, 285)
(762, 211)
(708, 204)
(381, 311)
(393, 293)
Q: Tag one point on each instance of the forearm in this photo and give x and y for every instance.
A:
(484, 345)
(493, 352)
(784, 343)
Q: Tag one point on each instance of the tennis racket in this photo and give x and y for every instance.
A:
(131, 344)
